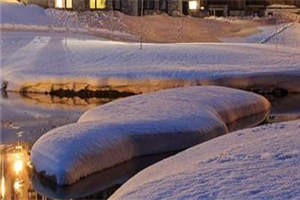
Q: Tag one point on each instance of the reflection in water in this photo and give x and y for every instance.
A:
(99, 185)
(19, 182)
(27, 117)
(16, 173)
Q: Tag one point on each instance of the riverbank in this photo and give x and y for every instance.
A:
(48, 62)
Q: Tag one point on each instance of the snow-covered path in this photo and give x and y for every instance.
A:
(257, 163)
(29, 59)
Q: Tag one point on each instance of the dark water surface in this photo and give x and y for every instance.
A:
(26, 118)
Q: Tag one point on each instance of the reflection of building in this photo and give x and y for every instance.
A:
(15, 175)
(173, 7)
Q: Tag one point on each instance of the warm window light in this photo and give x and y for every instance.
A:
(99, 4)
(63, 3)
(69, 4)
(92, 4)
(59, 4)
(193, 5)
(18, 166)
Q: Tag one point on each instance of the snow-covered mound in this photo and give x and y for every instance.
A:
(19, 17)
(17, 13)
(39, 63)
(257, 163)
(146, 124)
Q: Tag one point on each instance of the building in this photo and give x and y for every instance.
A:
(235, 7)
(172, 7)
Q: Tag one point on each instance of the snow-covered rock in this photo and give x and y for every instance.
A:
(168, 120)
(257, 163)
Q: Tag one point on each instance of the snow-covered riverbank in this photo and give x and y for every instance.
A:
(257, 163)
(33, 62)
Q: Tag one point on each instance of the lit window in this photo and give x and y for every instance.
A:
(69, 4)
(92, 4)
(63, 4)
(193, 5)
(59, 4)
(97, 4)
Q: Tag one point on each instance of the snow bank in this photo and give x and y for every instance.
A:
(20, 17)
(18, 13)
(257, 163)
(41, 62)
(146, 124)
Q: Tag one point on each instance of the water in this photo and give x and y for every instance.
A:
(26, 118)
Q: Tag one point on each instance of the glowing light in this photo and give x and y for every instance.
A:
(99, 4)
(202, 8)
(69, 3)
(92, 4)
(193, 5)
(2, 188)
(18, 166)
(19, 147)
(17, 185)
(59, 4)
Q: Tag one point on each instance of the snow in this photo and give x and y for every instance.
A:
(146, 124)
(42, 61)
(54, 57)
(284, 34)
(256, 163)
(19, 17)
(290, 37)
(18, 13)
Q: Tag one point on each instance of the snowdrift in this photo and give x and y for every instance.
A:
(146, 124)
(18, 13)
(257, 163)
(19, 17)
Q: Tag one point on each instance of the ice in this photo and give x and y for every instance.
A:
(164, 121)
(257, 163)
